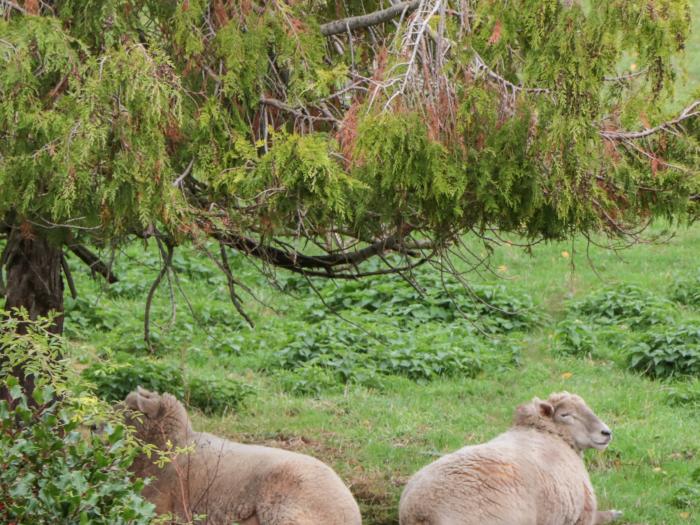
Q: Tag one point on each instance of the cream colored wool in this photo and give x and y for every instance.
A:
(232, 482)
(533, 474)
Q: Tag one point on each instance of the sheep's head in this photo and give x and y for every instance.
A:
(568, 416)
(157, 418)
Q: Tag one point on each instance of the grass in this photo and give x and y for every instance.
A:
(377, 437)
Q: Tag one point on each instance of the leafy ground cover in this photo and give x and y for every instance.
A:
(379, 377)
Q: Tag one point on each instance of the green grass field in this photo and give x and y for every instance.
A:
(376, 429)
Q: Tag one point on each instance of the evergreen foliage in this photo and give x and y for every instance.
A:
(260, 125)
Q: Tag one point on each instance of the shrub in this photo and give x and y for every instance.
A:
(51, 469)
(579, 338)
(667, 351)
(575, 337)
(115, 378)
(128, 289)
(84, 315)
(625, 304)
(492, 309)
(687, 291)
(216, 396)
(308, 380)
(421, 354)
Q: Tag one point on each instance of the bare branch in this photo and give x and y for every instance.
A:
(371, 19)
(13, 5)
(179, 180)
(231, 282)
(167, 262)
(689, 112)
(69, 276)
(93, 262)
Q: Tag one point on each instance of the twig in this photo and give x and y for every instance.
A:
(230, 281)
(177, 181)
(687, 113)
(371, 19)
(69, 276)
(13, 5)
(93, 261)
(167, 261)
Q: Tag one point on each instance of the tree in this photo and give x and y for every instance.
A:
(314, 135)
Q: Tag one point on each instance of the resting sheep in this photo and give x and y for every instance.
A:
(533, 474)
(232, 482)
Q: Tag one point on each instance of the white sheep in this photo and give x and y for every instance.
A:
(533, 474)
(231, 482)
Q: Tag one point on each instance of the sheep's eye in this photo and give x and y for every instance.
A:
(566, 415)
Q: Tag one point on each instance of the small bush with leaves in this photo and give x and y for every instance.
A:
(625, 304)
(311, 380)
(667, 351)
(217, 396)
(84, 315)
(51, 469)
(115, 378)
(580, 338)
(422, 354)
(575, 337)
(687, 291)
(491, 309)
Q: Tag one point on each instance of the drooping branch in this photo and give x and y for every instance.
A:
(693, 110)
(167, 254)
(296, 261)
(95, 264)
(69, 277)
(371, 19)
(231, 282)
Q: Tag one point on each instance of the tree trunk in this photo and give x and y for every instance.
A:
(34, 282)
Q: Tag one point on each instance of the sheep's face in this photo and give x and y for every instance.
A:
(573, 418)
(157, 419)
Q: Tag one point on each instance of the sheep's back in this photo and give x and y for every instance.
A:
(521, 477)
(252, 478)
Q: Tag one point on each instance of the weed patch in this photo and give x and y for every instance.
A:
(667, 351)
(626, 304)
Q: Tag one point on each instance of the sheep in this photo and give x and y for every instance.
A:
(533, 474)
(231, 482)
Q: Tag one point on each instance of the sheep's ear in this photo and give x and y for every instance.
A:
(143, 392)
(546, 409)
(148, 405)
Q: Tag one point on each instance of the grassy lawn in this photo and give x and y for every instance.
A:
(377, 433)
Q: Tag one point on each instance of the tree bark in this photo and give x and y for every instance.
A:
(34, 283)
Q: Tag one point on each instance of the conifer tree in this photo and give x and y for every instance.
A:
(316, 134)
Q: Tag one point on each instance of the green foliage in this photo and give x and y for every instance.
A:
(687, 496)
(217, 396)
(489, 309)
(360, 357)
(52, 469)
(121, 374)
(667, 351)
(687, 291)
(83, 315)
(308, 380)
(115, 378)
(626, 304)
(575, 337)
(685, 394)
